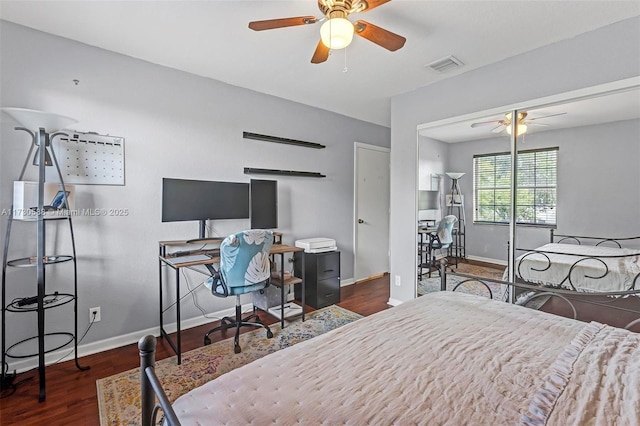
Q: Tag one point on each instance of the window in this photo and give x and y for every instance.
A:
(536, 190)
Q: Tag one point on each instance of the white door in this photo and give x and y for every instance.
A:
(371, 210)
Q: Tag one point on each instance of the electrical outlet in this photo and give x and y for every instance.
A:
(94, 314)
(398, 283)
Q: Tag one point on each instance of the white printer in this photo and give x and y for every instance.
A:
(317, 245)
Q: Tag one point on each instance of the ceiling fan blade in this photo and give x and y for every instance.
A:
(534, 124)
(372, 4)
(499, 129)
(321, 54)
(546, 116)
(485, 123)
(379, 36)
(271, 24)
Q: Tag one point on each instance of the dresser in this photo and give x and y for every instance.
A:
(321, 279)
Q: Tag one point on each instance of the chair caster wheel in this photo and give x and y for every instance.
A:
(207, 341)
(269, 334)
(237, 349)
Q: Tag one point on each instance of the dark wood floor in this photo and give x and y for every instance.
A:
(71, 394)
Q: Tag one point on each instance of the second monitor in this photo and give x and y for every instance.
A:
(263, 204)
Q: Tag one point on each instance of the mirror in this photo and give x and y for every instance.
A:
(595, 190)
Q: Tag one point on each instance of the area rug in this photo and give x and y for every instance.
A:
(119, 395)
(430, 285)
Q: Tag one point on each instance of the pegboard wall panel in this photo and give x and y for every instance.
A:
(91, 159)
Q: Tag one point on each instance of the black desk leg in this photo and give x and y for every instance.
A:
(177, 346)
(303, 284)
(160, 291)
(282, 290)
(179, 338)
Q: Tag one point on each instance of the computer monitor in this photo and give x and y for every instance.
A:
(185, 200)
(263, 201)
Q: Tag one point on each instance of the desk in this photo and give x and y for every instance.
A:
(424, 248)
(165, 259)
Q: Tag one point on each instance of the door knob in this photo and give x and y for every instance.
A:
(360, 221)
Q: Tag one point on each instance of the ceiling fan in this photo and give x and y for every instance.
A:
(337, 30)
(523, 122)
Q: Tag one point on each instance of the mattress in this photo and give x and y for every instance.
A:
(442, 359)
(615, 269)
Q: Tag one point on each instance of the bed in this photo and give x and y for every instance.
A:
(582, 264)
(444, 358)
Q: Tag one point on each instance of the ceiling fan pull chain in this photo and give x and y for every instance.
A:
(345, 69)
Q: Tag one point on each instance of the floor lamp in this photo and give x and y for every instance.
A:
(457, 202)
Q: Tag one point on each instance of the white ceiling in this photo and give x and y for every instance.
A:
(211, 39)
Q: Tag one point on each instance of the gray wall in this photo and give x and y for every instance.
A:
(175, 125)
(600, 56)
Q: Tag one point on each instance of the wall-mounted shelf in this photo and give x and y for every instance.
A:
(277, 139)
(252, 171)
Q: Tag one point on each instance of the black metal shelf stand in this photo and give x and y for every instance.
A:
(41, 141)
(457, 250)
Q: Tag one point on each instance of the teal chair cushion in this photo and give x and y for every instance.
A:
(445, 232)
(244, 262)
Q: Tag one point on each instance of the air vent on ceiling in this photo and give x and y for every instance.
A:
(446, 64)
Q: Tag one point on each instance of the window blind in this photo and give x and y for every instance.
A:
(536, 191)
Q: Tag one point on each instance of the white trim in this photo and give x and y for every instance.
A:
(344, 283)
(574, 95)
(487, 260)
(119, 341)
(356, 146)
(416, 218)
(394, 302)
(371, 147)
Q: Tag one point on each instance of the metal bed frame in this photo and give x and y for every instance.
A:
(570, 297)
(569, 279)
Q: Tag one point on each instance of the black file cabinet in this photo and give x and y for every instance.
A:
(321, 280)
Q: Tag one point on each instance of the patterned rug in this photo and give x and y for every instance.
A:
(430, 285)
(498, 292)
(119, 395)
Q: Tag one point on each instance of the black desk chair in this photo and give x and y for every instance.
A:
(440, 240)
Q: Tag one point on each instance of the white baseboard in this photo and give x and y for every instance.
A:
(66, 354)
(394, 302)
(349, 281)
(487, 260)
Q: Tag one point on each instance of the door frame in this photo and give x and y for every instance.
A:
(356, 146)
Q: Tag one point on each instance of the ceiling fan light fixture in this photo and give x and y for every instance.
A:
(521, 129)
(521, 116)
(336, 33)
